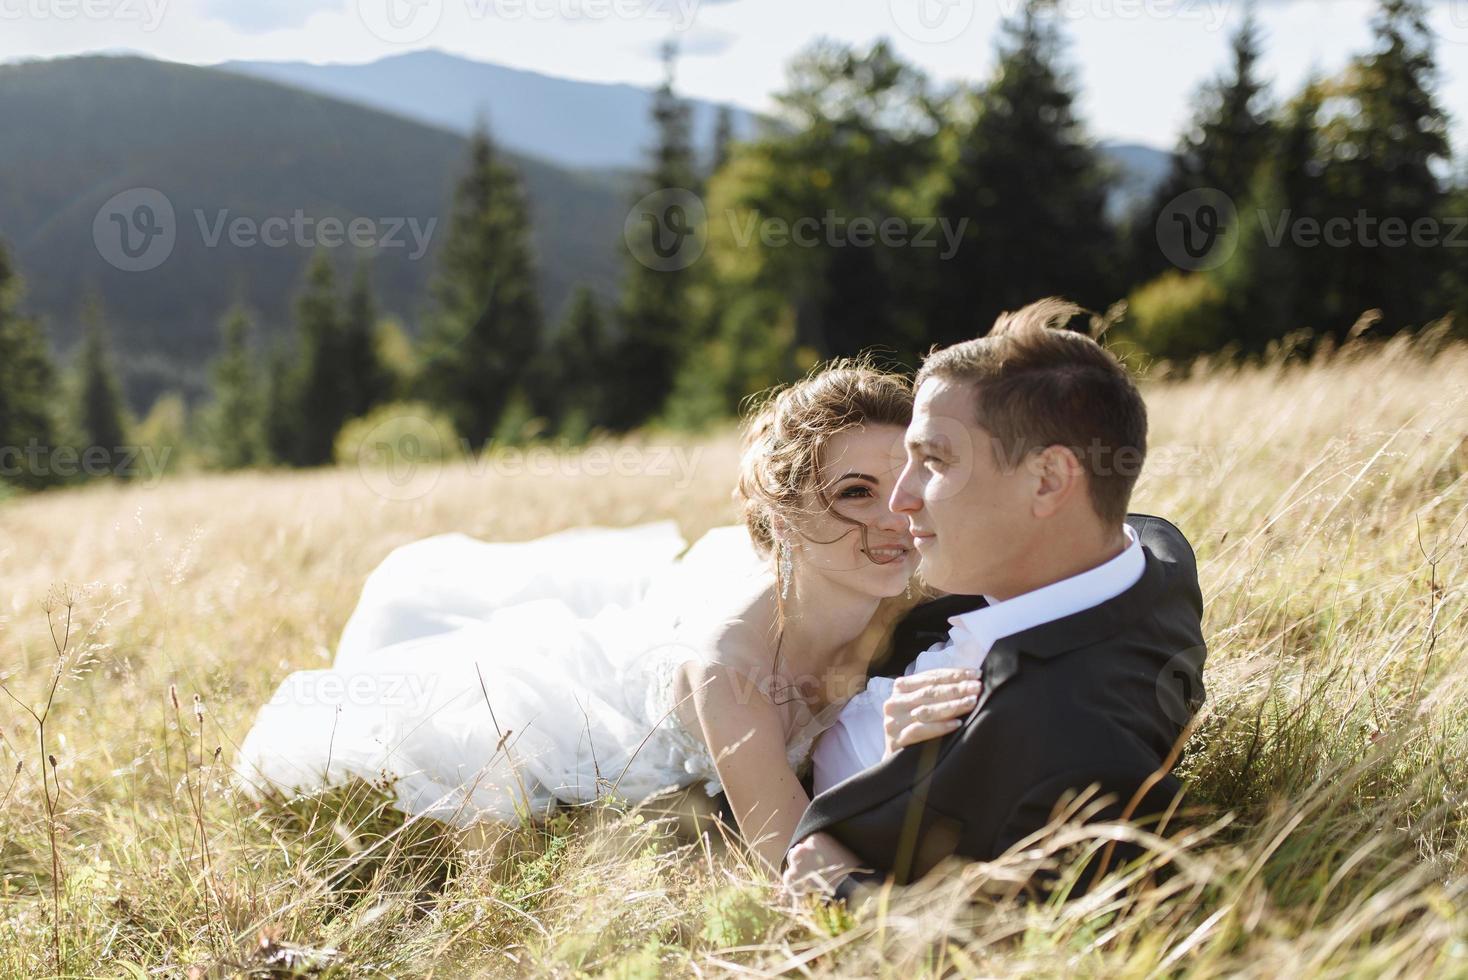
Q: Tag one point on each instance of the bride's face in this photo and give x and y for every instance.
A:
(859, 470)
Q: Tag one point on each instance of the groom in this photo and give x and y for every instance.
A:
(1068, 656)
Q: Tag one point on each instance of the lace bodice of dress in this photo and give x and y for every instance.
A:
(717, 566)
(698, 761)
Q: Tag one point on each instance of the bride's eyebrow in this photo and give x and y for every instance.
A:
(856, 476)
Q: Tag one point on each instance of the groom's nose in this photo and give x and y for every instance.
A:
(904, 500)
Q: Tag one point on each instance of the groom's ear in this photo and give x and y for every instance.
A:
(1059, 477)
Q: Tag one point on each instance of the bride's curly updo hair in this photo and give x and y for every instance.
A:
(788, 429)
(785, 435)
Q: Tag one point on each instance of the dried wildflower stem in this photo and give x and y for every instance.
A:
(48, 759)
(195, 794)
(13, 780)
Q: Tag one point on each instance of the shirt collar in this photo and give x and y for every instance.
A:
(1001, 618)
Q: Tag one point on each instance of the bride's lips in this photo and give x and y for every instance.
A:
(889, 552)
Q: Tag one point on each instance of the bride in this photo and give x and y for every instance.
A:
(487, 680)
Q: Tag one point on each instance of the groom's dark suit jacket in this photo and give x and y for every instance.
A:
(1099, 697)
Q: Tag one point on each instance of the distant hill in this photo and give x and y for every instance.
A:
(1139, 170)
(579, 124)
(218, 145)
(576, 124)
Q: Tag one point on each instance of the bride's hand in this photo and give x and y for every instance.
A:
(928, 704)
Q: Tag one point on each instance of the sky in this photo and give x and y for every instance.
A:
(1138, 61)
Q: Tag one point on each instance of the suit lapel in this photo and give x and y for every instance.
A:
(920, 629)
(905, 770)
(909, 768)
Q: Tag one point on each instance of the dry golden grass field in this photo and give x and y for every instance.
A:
(1328, 779)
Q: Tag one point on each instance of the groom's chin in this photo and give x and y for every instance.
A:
(935, 573)
(930, 570)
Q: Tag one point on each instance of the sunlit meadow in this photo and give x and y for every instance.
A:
(1327, 498)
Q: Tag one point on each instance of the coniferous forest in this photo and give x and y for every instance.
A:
(875, 212)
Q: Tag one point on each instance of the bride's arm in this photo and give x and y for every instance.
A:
(746, 737)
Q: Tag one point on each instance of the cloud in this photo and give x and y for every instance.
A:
(259, 16)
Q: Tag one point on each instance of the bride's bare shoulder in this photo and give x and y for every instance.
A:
(738, 640)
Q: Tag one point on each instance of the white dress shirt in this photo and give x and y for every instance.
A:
(856, 740)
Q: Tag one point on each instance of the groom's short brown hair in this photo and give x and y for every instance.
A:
(1038, 384)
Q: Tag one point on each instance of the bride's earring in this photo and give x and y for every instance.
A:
(787, 569)
(909, 588)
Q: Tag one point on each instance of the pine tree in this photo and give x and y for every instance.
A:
(487, 322)
(584, 347)
(867, 136)
(858, 143)
(1390, 138)
(324, 391)
(1453, 296)
(235, 421)
(723, 138)
(654, 316)
(1032, 189)
(368, 380)
(27, 389)
(101, 418)
(283, 423)
(567, 383)
(1229, 137)
(1271, 285)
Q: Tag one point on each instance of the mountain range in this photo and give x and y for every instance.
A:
(239, 169)
(230, 153)
(571, 123)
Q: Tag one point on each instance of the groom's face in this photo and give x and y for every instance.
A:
(971, 520)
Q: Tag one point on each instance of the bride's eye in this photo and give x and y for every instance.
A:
(856, 491)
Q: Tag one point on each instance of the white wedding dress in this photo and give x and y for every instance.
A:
(485, 680)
